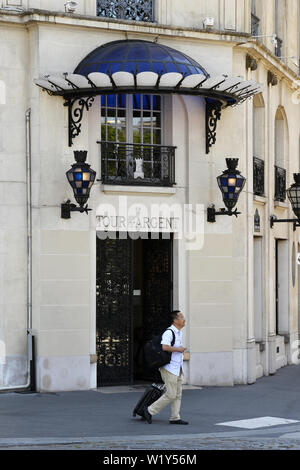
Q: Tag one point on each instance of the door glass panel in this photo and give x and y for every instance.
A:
(137, 120)
(132, 118)
(146, 136)
(136, 135)
(113, 118)
(156, 119)
(157, 136)
(121, 134)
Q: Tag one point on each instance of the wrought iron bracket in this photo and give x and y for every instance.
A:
(212, 116)
(67, 207)
(211, 213)
(274, 220)
(75, 114)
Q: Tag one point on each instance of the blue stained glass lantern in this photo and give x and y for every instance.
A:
(81, 177)
(231, 183)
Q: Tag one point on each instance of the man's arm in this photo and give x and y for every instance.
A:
(165, 347)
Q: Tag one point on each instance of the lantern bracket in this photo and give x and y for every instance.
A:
(75, 114)
(274, 220)
(211, 213)
(212, 116)
(68, 207)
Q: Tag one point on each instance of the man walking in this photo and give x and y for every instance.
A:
(171, 373)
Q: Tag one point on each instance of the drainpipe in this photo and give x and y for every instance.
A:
(30, 338)
(30, 384)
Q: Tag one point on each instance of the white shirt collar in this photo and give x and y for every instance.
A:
(174, 328)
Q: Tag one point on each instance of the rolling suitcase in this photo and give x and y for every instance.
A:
(151, 394)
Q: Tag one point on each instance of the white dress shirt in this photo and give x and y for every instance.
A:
(176, 362)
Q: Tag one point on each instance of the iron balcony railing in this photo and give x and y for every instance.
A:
(137, 164)
(280, 184)
(258, 177)
(254, 25)
(138, 10)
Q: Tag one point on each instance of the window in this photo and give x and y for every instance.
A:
(132, 150)
(280, 146)
(138, 10)
(254, 19)
(131, 118)
(258, 132)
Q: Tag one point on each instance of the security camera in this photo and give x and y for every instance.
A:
(208, 22)
(70, 7)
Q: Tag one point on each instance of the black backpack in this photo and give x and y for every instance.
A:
(154, 355)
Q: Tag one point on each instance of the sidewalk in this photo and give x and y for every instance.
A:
(103, 417)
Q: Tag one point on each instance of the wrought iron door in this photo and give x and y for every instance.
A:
(157, 286)
(114, 322)
(114, 318)
(158, 291)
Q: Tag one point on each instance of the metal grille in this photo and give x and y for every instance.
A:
(138, 10)
(258, 176)
(135, 164)
(114, 319)
(158, 291)
(280, 184)
(114, 303)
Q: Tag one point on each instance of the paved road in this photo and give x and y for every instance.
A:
(102, 419)
(207, 443)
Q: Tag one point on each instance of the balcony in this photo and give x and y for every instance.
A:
(137, 164)
(258, 177)
(138, 10)
(280, 184)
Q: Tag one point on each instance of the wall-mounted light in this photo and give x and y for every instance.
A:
(293, 193)
(70, 7)
(231, 183)
(208, 22)
(81, 178)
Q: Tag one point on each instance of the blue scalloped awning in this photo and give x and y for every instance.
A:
(136, 66)
(136, 56)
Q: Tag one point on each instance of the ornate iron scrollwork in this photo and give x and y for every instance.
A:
(280, 184)
(114, 287)
(213, 115)
(138, 10)
(118, 163)
(75, 114)
(258, 177)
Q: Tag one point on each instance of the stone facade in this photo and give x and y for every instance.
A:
(227, 289)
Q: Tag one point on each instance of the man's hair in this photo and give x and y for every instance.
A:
(174, 314)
